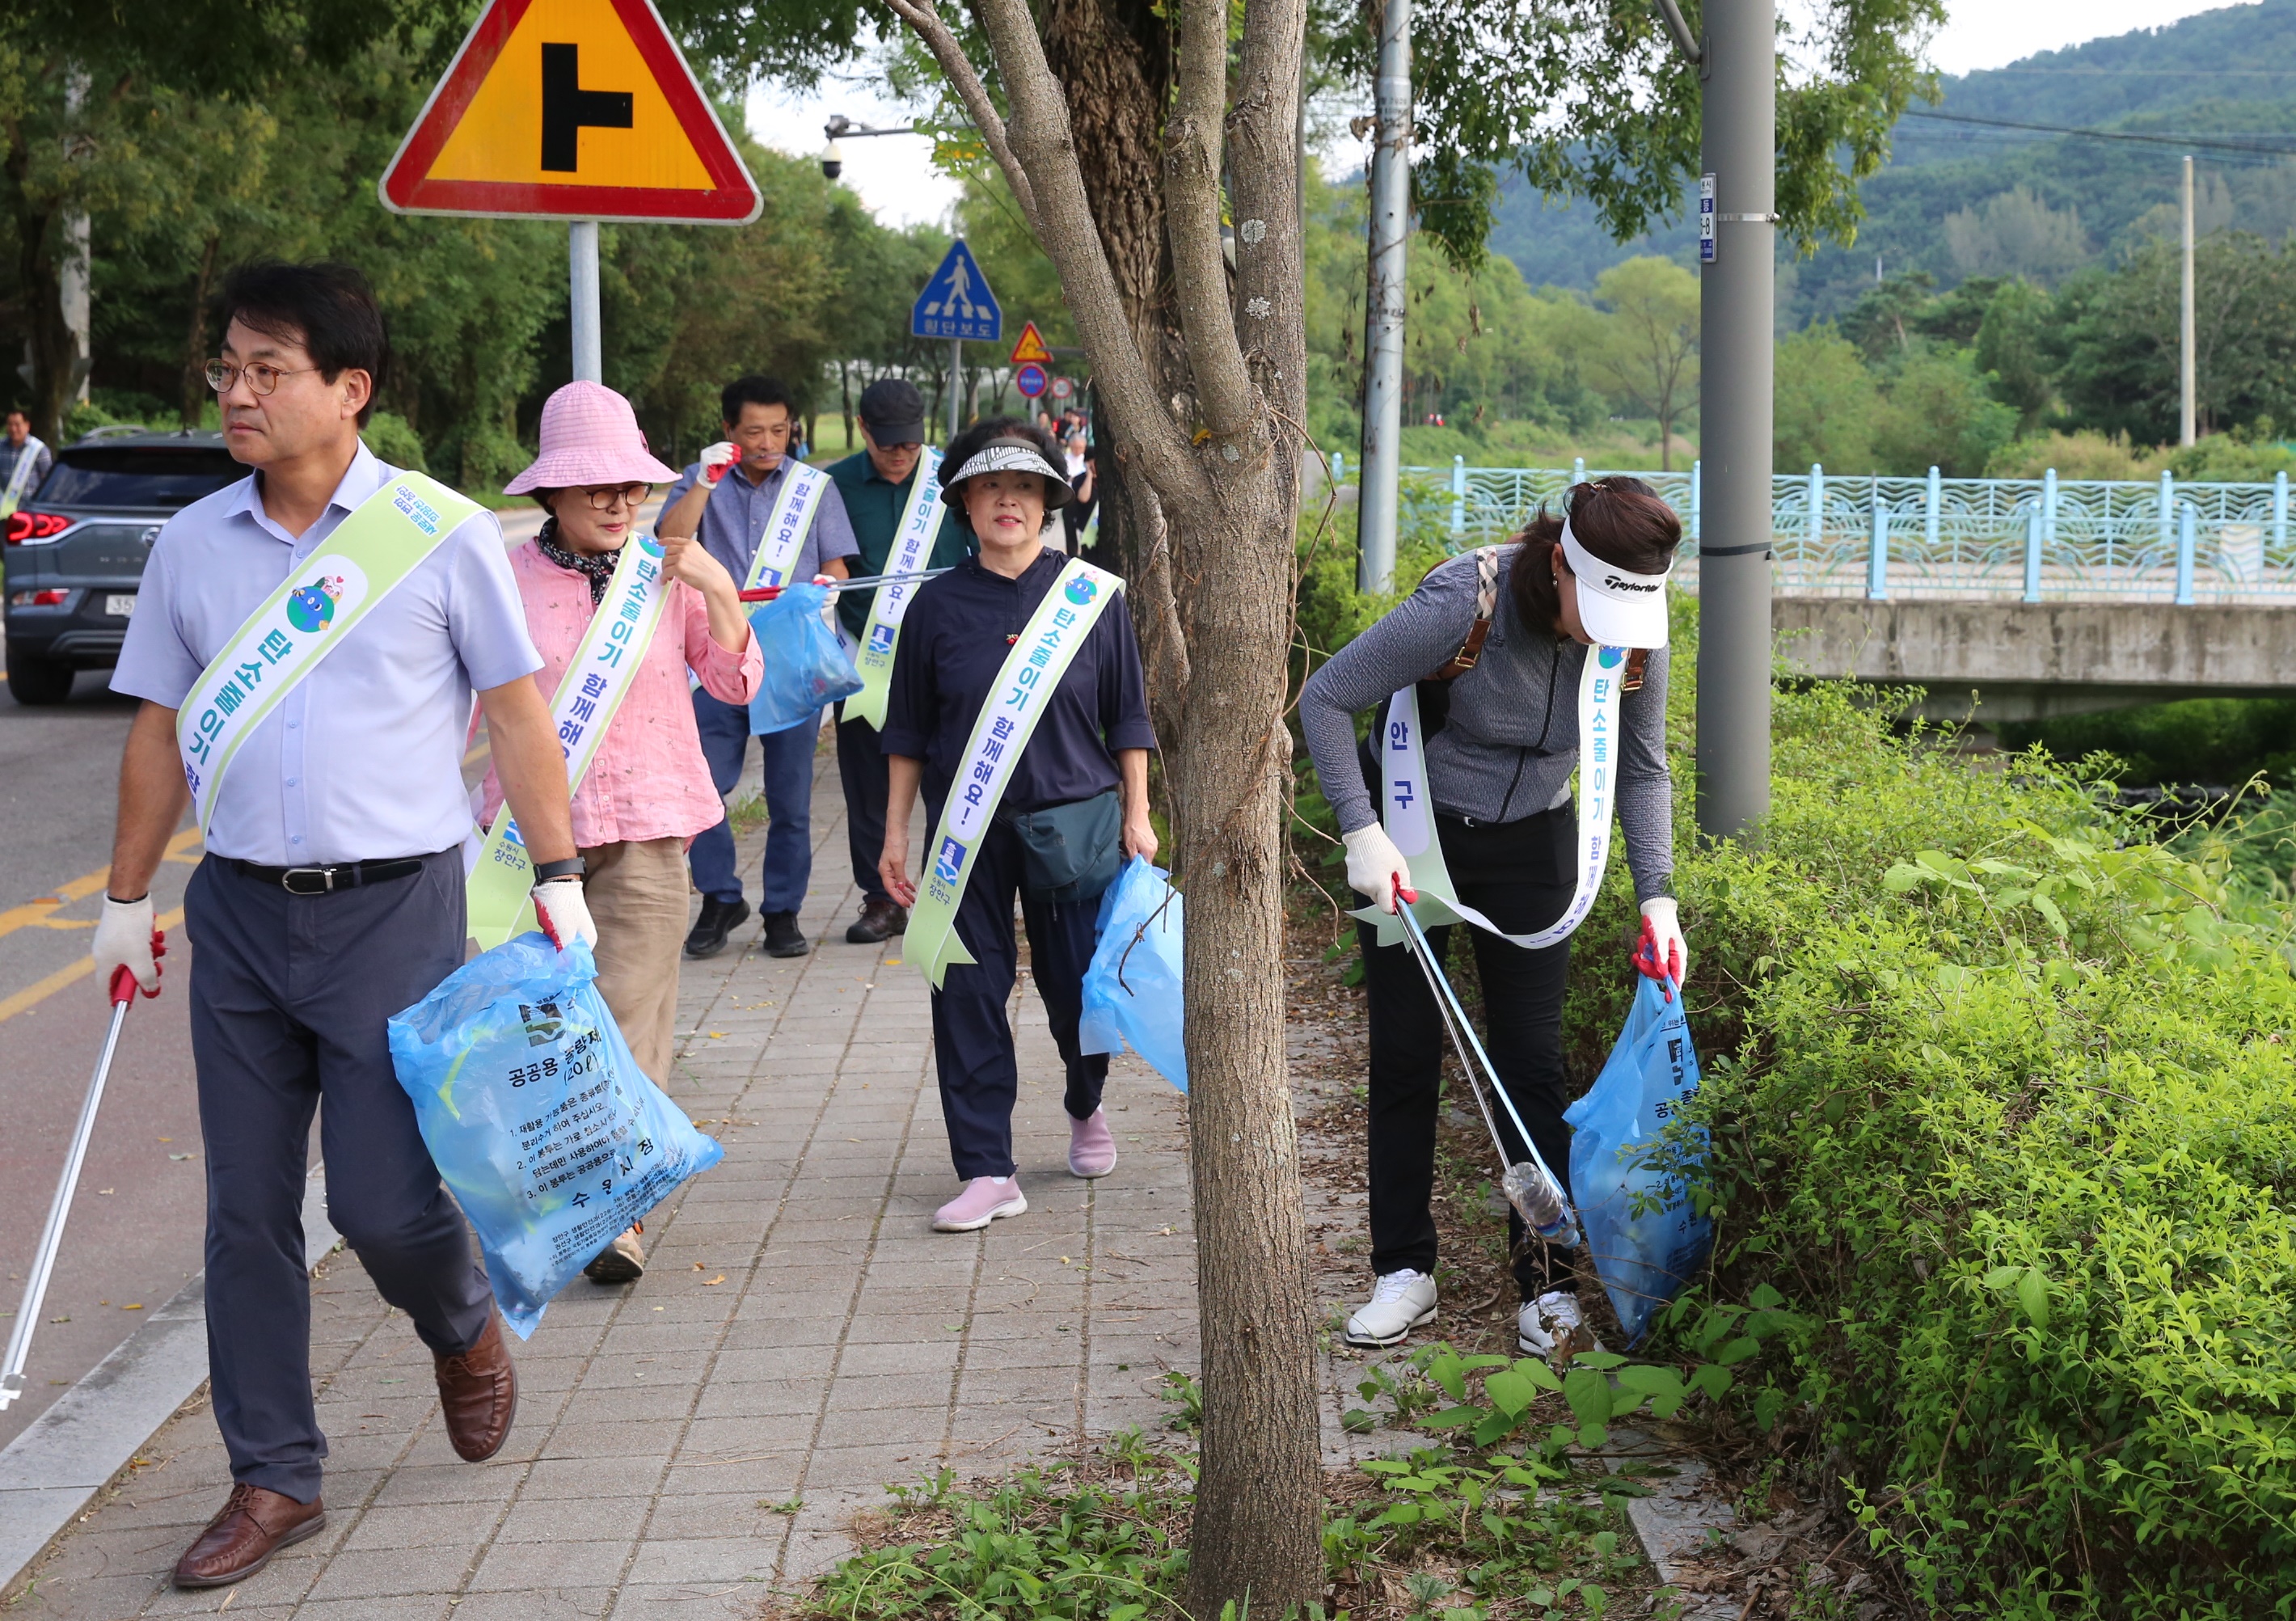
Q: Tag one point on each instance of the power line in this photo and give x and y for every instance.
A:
(2227, 141)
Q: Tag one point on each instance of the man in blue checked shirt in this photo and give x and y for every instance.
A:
(729, 498)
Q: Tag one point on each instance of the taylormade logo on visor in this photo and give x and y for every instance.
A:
(1616, 584)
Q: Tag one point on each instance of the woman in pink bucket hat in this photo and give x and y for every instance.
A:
(648, 791)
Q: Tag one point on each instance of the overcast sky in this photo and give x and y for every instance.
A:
(895, 176)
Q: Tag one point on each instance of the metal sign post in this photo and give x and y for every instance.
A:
(613, 127)
(957, 304)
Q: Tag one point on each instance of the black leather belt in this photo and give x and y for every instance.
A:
(327, 881)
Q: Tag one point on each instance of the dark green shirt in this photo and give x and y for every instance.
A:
(876, 506)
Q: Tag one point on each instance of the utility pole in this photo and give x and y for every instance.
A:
(1738, 68)
(2187, 424)
(956, 390)
(1377, 496)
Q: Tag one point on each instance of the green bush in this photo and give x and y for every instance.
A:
(388, 434)
(2004, 1098)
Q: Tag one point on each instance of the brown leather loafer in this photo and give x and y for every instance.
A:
(255, 1524)
(478, 1391)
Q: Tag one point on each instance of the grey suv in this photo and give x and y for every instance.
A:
(74, 551)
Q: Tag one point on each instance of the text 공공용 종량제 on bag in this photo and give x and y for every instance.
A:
(1642, 1259)
(806, 667)
(541, 1122)
(1132, 991)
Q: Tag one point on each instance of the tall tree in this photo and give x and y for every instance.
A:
(1649, 350)
(61, 152)
(1216, 440)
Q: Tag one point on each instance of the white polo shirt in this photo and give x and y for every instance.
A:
(363, 760)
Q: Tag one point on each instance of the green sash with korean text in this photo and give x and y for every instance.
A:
(912, 549)
(1032, 671)
(500, 891)
(371, 552)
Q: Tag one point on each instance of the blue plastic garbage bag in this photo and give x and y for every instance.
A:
(1645, 1238)
(551, 1137)
(806, 667)
(1132, 990)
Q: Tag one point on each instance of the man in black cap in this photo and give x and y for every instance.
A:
(876, 485)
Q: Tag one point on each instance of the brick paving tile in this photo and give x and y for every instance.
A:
(801, 1340)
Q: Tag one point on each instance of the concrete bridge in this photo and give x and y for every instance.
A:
(2019, 661)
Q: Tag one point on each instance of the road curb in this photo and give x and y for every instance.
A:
(54, 1468)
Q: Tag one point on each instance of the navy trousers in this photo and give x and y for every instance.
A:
(868, 784)
(788, 759)
(1518, 875)
(288, 997)
(973, 1038)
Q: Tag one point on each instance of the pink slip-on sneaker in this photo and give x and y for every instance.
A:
(1092, 1146)
(985, 1199)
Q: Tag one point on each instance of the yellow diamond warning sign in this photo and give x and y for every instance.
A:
(1031, 347)
(571, 110)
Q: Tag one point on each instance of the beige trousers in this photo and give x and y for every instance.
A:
(638, 895)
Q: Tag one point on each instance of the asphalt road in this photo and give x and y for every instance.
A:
(133, 1236)
(134, 1233)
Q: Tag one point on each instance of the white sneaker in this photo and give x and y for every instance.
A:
(1550, 1323)
(1400, 1301)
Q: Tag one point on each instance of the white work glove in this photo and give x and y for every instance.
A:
(125, 938)
(1661, 953)
(717, 459)
(563, 913)
(1376, 867)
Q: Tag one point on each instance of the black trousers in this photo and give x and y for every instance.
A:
(1518, 875)
(972, 1036)
(289, 995)
(868, 781)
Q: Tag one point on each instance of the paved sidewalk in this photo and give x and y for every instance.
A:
(801, 1339)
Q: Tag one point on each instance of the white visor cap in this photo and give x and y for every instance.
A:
(1618, 608)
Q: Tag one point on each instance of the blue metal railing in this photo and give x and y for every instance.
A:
(2033, 539)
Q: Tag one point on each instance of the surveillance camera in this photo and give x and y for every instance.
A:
(833, 161)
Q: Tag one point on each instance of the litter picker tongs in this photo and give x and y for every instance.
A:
(1530, 1187)
(867, 582)
(44, 1260)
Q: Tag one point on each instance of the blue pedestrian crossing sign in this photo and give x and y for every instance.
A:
(956, 303)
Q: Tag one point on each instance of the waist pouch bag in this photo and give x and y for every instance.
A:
(1629, 1176)
(806, 667)
(1069, 853)
(1132, 989)
(540, 1121)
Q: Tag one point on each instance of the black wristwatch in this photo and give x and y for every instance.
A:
(573, 866)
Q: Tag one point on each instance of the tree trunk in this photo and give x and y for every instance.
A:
(195, 392)
(1258, 1530)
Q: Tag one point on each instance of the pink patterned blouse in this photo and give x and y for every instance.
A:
(648, 778)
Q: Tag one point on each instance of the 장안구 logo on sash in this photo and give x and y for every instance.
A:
(949, 862)
(881, 638)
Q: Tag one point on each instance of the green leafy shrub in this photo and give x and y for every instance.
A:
(2004, 1096)
(388, 434)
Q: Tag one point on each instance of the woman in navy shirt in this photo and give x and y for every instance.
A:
(1091, 741)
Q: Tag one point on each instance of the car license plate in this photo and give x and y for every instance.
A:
(120, 607)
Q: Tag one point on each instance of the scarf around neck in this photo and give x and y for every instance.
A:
(597, 567)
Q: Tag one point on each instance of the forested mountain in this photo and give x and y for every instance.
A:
(1963, 198)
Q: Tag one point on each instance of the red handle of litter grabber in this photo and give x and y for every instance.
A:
(761, 593)
(1409, 896)
(123, 977)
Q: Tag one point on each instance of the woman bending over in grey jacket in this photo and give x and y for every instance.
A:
(1504, 723)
